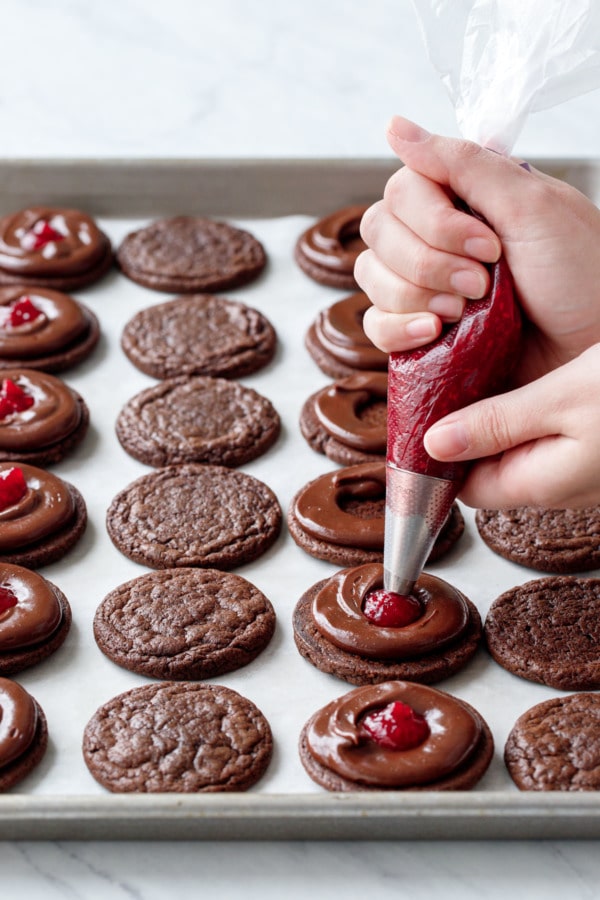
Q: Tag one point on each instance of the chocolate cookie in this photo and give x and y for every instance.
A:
(333, 633)
(178, 737)
(199, 335)
(23, 734)
(43, 329)
(555, 745)
(187, 254)
(35, 618)
(347, 421)
(184, 624)
(339, 517)
(337, 343)
(197, 419)
(548, 630)
(54, 248)
(194, 515)
(328, 249)
(41, 418)
(548, 540)
(42, 517)
(363, 741)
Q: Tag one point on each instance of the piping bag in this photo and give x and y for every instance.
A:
(499, 60)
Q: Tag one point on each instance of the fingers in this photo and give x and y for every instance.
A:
(392, 332)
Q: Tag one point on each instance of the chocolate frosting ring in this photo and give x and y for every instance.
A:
(339, 331)
(46, 507)
(80, 248)
(62, 321)
(335, 738)
(338, 410)
(37, 613)
(55, 413)
(18, 721)
(334, 241)
(337, 612)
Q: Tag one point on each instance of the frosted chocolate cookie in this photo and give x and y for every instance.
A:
(339, 517)
(41, 418)
(23, 734)
(337, 343)
(548, 630)
(41, 516)
(348, 626)
(35, 618)
(184, 624)
(548, 540)
(555, 745)
(327, 250)
(396, 736)
(187, 254)
(54, 248)
(197, 419)
(178, 737)
(194, 515)
(347, 421)
(199, 335)
(43, 329)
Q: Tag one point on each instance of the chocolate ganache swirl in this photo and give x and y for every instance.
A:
(339, 330)
(46, 507)
(54, 414)
(334, 242)
(76, 243)
(36, 614)
(59, 322)
(339, 407)
(337, 613)
(18, 721)
(335, 738)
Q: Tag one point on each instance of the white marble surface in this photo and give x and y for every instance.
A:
(188, 78)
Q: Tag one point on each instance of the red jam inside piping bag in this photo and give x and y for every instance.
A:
(396, 726)
(469, 361)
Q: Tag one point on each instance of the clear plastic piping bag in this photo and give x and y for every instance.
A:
(502, 59)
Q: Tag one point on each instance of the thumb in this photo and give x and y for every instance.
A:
(491, 184)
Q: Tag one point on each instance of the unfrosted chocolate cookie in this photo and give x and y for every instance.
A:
(199, 335)
(347, 421)
(548, 540)
(184, 623)
(555, 745)
(23, 733)
(44, 329)
(42, 419)
(339, 517)
(41, 516)
(35, 618)
(178, 737)
(337, 343)
(362, 741)
(197, 419)
(333, 633)
(194, 515)
(187, 254)
(328, 249)
(54, 248)
(548, 630)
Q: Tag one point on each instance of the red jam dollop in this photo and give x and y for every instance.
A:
(396, 726)
(391, 610)
(13, 398)
(13, 487)
(41, 234)
(7, 599)
(21, 312)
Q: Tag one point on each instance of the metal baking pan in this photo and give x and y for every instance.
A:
(276, 200)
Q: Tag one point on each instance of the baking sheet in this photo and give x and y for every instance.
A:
(60, 799)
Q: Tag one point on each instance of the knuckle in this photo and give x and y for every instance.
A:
(495, 424)
(421, 266)
(369, 224)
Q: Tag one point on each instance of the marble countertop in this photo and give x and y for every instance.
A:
(188, 79)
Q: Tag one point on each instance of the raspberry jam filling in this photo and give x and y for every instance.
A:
(7, 599)
(13, 398)
(41, 234)
(390, 610)
(21, 312)
(396, 726)
(13, 487)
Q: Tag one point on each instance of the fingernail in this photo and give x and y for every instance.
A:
(482, 248)
(447, 306)
(407, 130)
(422, 327)
(468, 284)
(447, 441)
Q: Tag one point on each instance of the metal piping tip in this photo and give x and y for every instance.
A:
(416, 508)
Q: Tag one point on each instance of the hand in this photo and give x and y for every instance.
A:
(426, 260)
